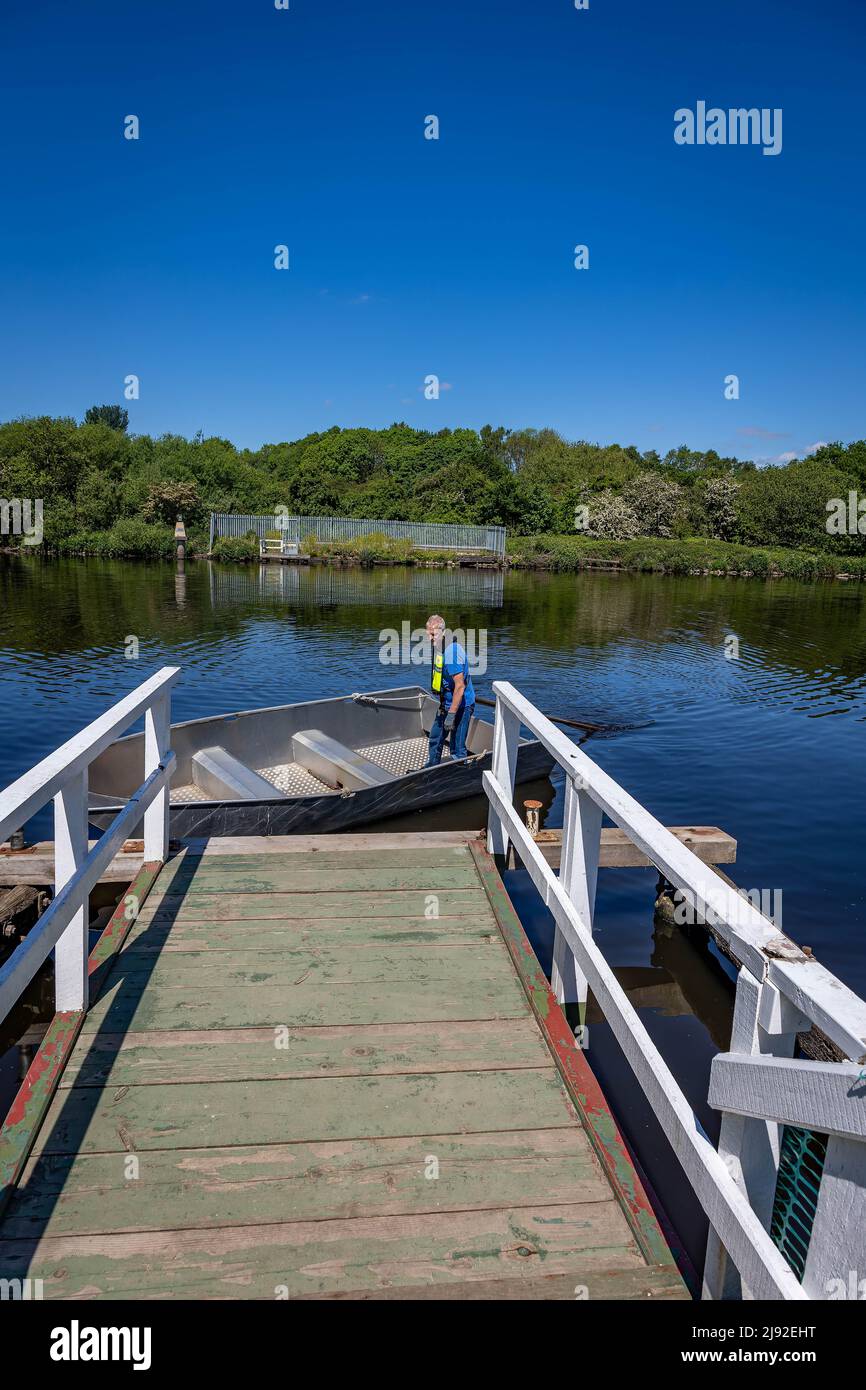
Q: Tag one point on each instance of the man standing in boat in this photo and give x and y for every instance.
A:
(451, 682)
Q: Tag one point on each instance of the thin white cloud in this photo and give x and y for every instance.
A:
(800, 454)
(757, 432)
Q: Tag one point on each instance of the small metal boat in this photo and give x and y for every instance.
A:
(314, 767)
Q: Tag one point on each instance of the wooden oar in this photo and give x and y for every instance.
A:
(583, 724)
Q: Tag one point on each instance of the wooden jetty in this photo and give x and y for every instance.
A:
(296, 1081)
(331, 1067)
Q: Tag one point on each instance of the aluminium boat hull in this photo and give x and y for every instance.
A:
(387, 726)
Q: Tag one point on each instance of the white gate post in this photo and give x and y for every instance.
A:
(157, 743)
(578, 874)
(70, 852)
(506, 736)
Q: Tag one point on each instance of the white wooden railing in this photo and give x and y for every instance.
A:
(758, 1087)
(63, 775)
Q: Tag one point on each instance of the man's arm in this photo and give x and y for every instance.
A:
(459, 687)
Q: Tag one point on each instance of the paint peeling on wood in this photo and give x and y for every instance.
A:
(34, 1096)
(579, 1079)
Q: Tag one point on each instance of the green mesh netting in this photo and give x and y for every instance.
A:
(801, 1163)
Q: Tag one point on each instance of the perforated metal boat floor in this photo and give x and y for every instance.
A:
(398, 757)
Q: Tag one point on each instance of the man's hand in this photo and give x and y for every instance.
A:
(449, 720)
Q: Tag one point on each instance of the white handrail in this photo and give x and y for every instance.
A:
(63, 776)
(780, 990)
(753, 938)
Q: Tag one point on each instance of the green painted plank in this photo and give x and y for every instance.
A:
(200, 1188)
(228, 907)
(313, 965)
(221, 1007)
(237, 1054)
(323, 1258)
(299, 878)
(185, 867)
(137, 1118)
(185, 935)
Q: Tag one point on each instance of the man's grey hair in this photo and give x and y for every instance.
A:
(436, 620)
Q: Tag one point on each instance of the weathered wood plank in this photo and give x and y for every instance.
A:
(167, 936)
(411, 1001)
(313, 966)
(203, 867)
(301, 879)
(323, 1258)
(708, 842)
(228, 907)
(137, 1118)
(230, 845)
(241, 1054)
(36, 866)
(204, 1188)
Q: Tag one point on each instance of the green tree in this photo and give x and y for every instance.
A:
(114, 416)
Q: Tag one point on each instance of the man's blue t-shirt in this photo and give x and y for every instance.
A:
(455, 661)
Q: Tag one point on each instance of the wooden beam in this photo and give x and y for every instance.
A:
(708, 842)
(35, 866)
(825, 1096)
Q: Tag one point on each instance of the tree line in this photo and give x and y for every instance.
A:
(106, 491)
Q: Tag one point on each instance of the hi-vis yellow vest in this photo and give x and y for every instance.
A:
(436, 673)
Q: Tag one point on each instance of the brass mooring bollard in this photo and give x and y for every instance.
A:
(531, 810)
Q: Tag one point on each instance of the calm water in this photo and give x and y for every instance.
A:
(769, 746)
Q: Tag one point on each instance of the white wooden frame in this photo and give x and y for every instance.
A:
(780, 991)
(63, 777)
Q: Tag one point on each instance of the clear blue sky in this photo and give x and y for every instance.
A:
(455, 257)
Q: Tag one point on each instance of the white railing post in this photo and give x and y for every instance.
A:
(506, 736)
(578, 874)
(70, 852)
(157, 744)
(766, 1024)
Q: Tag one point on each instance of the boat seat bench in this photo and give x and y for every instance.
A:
(222, 776)
(335, 763)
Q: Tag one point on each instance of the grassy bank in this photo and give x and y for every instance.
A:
(567, 554)
(133, 539)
